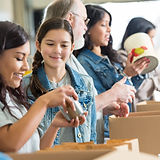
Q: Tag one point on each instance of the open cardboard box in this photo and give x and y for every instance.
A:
(85, 155)
(133, 144)
(90, 146)
(142, 125)
(127, 155)
(61, 155)
(148, 106)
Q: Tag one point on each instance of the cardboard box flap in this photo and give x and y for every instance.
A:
(84, 155)
(133, 143)
(127, 155)
(148, 107)
(148, 102)
(61, 155)
(88, 146)
(144, 127)
(144, 113)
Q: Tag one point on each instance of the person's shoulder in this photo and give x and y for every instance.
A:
(88, 80)
(87, 77)
(75, 64)
(85, 52)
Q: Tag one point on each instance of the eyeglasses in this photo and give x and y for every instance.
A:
(86, 20)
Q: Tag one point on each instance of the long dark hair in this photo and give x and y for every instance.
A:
(55, 23)
(96, 13)
(136, 25)
(11, 36)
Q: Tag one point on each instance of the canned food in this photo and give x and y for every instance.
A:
(71, 113)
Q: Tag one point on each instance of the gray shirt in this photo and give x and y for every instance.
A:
(66, 133)
(5, 118)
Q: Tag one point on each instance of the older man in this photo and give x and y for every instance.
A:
(75, 12)
(113, 101)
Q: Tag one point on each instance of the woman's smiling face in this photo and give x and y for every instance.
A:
(13, 64)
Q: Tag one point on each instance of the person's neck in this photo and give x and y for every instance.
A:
(55, 74)
(97, 50)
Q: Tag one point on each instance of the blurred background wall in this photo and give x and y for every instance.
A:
(28, 13)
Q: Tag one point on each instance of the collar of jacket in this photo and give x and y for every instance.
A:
(76, 80)
(93, 57)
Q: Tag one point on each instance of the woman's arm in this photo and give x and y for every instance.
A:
(14, 136)
(120, 93)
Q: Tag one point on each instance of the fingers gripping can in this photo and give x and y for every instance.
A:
(71, 113)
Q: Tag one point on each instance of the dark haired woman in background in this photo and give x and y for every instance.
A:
(149, 82)
(98, 57)
(136, 25)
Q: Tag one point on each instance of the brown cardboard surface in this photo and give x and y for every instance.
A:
(148, 106)
(144, 113)
(142, 125)
(148, 102)
(61, 155)
(85, 155)
(88, 146)
(127, 155)
(133, 144)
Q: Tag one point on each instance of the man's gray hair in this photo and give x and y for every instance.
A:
(59, 8)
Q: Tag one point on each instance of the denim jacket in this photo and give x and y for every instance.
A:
(104, 74)
(81, 83)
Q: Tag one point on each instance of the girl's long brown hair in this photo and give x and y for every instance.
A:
(52, 24)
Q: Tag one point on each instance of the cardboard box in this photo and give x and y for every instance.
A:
(90, 146)
(148, 106)
(61, 155)
(149, 102)
(133, 144)
(85, 155)
(142, 125)
(127, 155)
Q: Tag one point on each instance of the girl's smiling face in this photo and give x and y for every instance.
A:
(13, 64)
(56, 47)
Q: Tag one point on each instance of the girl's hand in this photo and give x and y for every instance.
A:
(60, 121)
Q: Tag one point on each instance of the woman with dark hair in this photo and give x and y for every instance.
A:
(18, 122)
(136, 25)
(55, 43)
(149, 82)
(98, 57)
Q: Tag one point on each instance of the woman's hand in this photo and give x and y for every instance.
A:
(59, 97)
(124, 93)
(60, 121)
(121, 109)
(132, 69)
